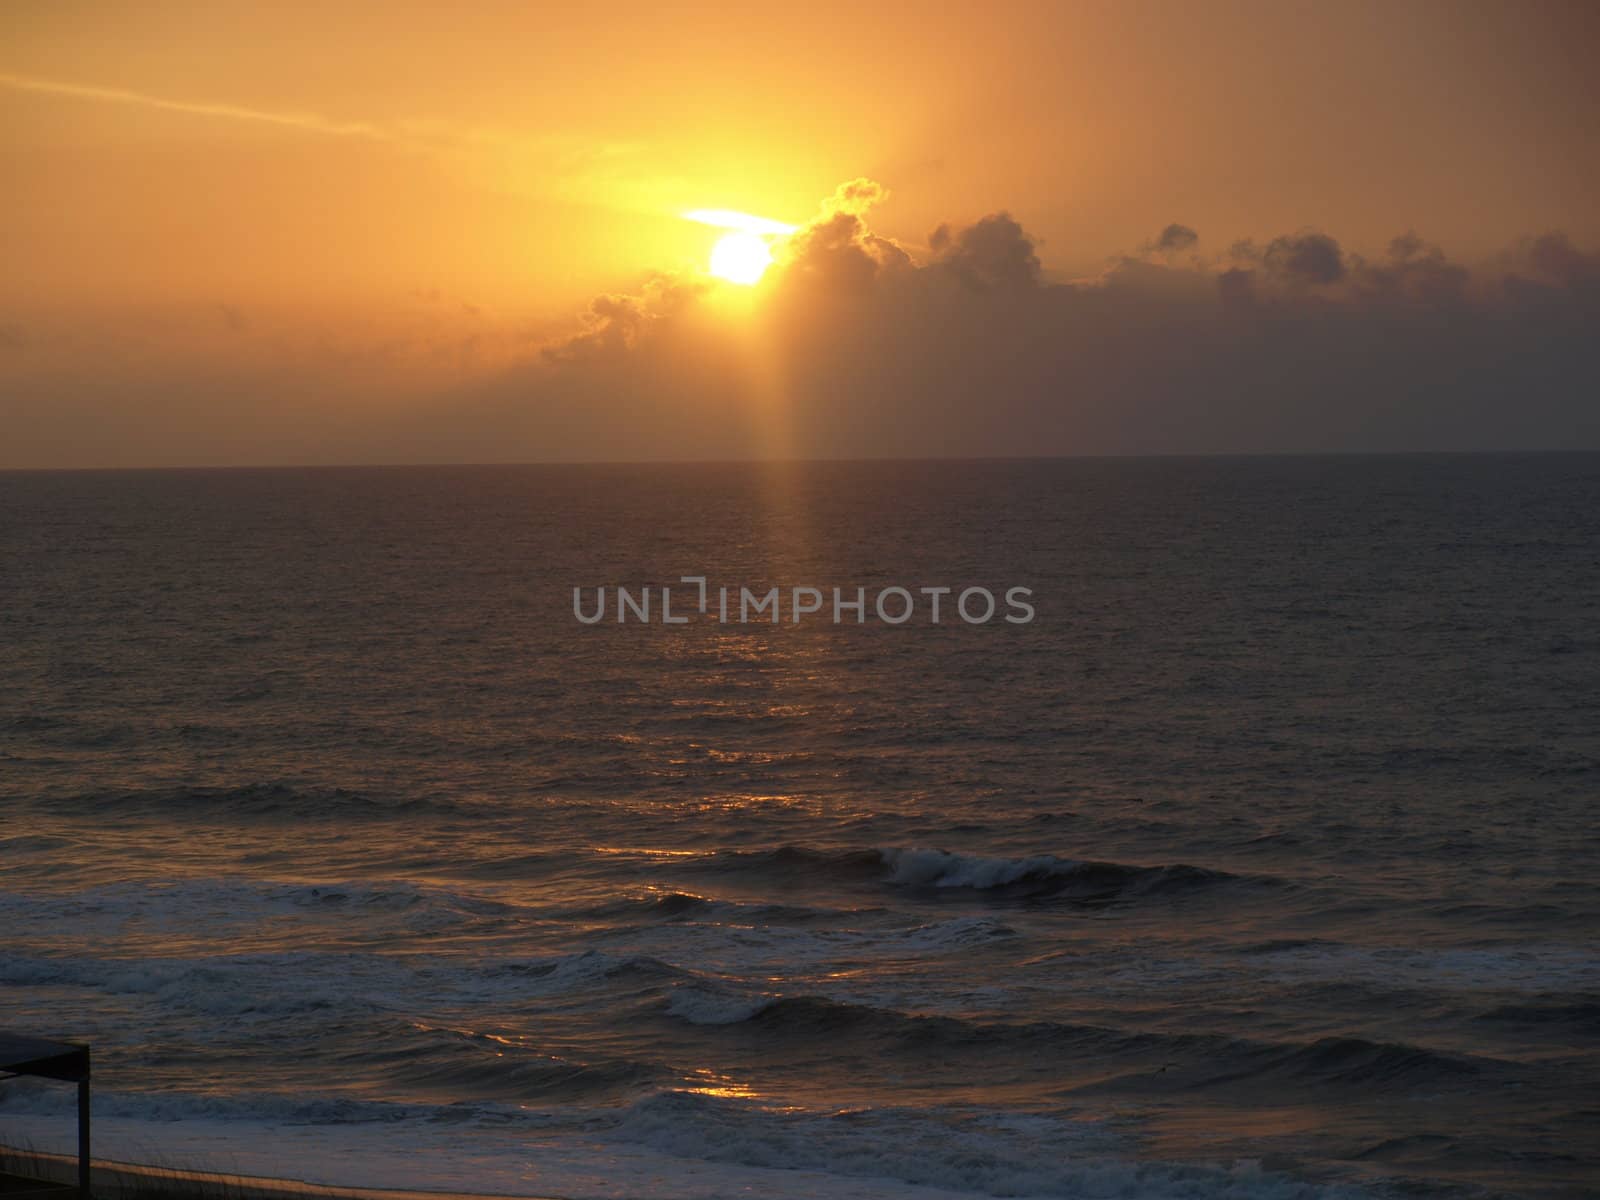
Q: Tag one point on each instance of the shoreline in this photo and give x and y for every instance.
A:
(113, 1180)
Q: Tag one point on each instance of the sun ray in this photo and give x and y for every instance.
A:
(727, 218)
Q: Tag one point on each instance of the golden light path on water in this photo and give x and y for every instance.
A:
(742, 257)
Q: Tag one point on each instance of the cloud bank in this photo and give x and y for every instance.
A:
(966, 347)
(858, 345)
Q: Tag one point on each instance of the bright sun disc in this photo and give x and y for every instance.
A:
(740, 258)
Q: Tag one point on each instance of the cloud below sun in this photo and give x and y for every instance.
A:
(855, 344)
(966, 345)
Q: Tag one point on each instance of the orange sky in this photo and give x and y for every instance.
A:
(359, 167)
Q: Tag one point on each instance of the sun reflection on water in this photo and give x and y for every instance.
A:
(703, 1081)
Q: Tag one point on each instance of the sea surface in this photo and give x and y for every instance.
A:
(1260, 863)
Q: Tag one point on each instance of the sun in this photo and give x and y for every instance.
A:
(743, 254)
(741, 258)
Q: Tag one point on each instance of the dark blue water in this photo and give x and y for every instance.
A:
(1259, 863)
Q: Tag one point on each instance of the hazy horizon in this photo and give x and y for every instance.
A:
(1534, 451)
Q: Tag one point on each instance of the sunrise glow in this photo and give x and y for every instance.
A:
(743, 255)
(741, 258)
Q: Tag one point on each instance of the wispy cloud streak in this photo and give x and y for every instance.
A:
(308, 122)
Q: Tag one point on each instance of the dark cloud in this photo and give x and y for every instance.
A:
(1175, 239)
(1407, 246)
(837, 252)
(1293, 344)
(1237, 286)
(1304, 258)
(1553, 259)
(1412, 270)
(615, 325)
(993, 253)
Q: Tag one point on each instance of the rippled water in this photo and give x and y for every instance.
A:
(1259, 864)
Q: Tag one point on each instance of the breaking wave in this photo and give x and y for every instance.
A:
(1039, 876)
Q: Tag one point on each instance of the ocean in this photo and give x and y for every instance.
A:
(1259, 862)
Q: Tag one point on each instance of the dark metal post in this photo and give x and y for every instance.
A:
(83, 1131)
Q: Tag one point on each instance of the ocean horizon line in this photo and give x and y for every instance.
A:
(1176, 456)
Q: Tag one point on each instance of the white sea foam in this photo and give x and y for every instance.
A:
(936, 868)
(701, 1007)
